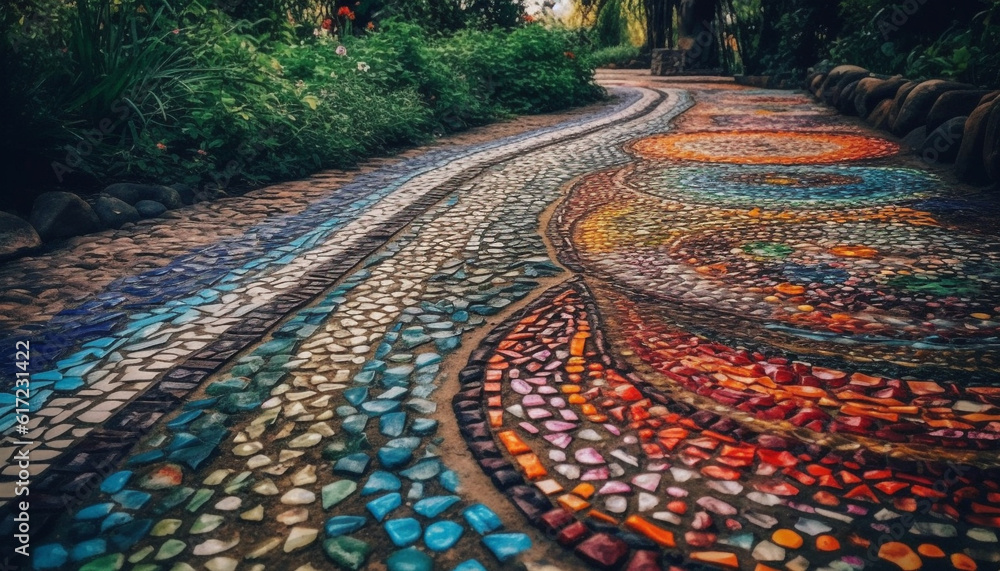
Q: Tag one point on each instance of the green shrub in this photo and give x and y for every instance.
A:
(191, 95)
(619, 56)
(529, 70)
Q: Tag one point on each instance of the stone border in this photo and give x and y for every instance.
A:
(946, 122)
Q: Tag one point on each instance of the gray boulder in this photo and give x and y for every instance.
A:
(991, 143)
(815, 82)
(969, 166)
(953, 104)
(16, 236)
(150, 208)
(871, 91)
(133, 193)
(879, 117)
(114, 212)
(833, 93)
(897, 101)
(186, 193)
(943, 143)
(62, 215)
(918, 103)
(835, 76)
(845, 100)
(915, 138)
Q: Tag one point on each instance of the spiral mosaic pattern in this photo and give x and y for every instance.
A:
(854, 274)
(764, 147)
(818, 187)
(920, 272)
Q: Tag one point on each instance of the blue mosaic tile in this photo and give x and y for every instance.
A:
(409, 560)
(482, 519)
(49, 556)
(115, 482)
(434, 506)
(381, 481)
(381, 507)
(442, 535)
(343, 525)
(507, 545)
(403, 532)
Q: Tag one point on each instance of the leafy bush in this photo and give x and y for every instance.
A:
(938, 38)
(191, 95)
(929, 38)
(529, 70)
(619, 56)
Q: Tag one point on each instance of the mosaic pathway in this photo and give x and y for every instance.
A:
(702, 327)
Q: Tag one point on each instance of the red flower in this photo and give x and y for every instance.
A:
(371, 25)
(570, 55)
(161, 146)
(344, 11)
(529, 18)
(327, 24)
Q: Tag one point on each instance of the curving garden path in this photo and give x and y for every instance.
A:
(701, 326)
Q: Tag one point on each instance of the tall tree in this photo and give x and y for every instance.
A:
(693, 16)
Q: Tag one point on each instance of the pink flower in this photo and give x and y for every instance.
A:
(202, 152)
(161, 146)
(341, 51)
(176, 31)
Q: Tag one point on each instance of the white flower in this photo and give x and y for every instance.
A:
(362, 66)
(341, 51)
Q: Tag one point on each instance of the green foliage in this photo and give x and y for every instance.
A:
(440, 15)
(529, 70)
(619, 56)
(189, 94)
(918, 38)
(940, 38)
(782, 37)
(488, 14)
(610, 26)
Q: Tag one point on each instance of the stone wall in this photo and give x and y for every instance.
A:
(945, 121)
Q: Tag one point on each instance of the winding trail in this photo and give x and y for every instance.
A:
(697, 326)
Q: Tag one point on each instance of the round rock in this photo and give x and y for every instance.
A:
(62, 215)
(16, 236)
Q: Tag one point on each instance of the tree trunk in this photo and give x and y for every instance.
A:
(659, 23)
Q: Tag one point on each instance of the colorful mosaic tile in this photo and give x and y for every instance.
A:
(782, 187)
(763, 147)
(729, 353)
